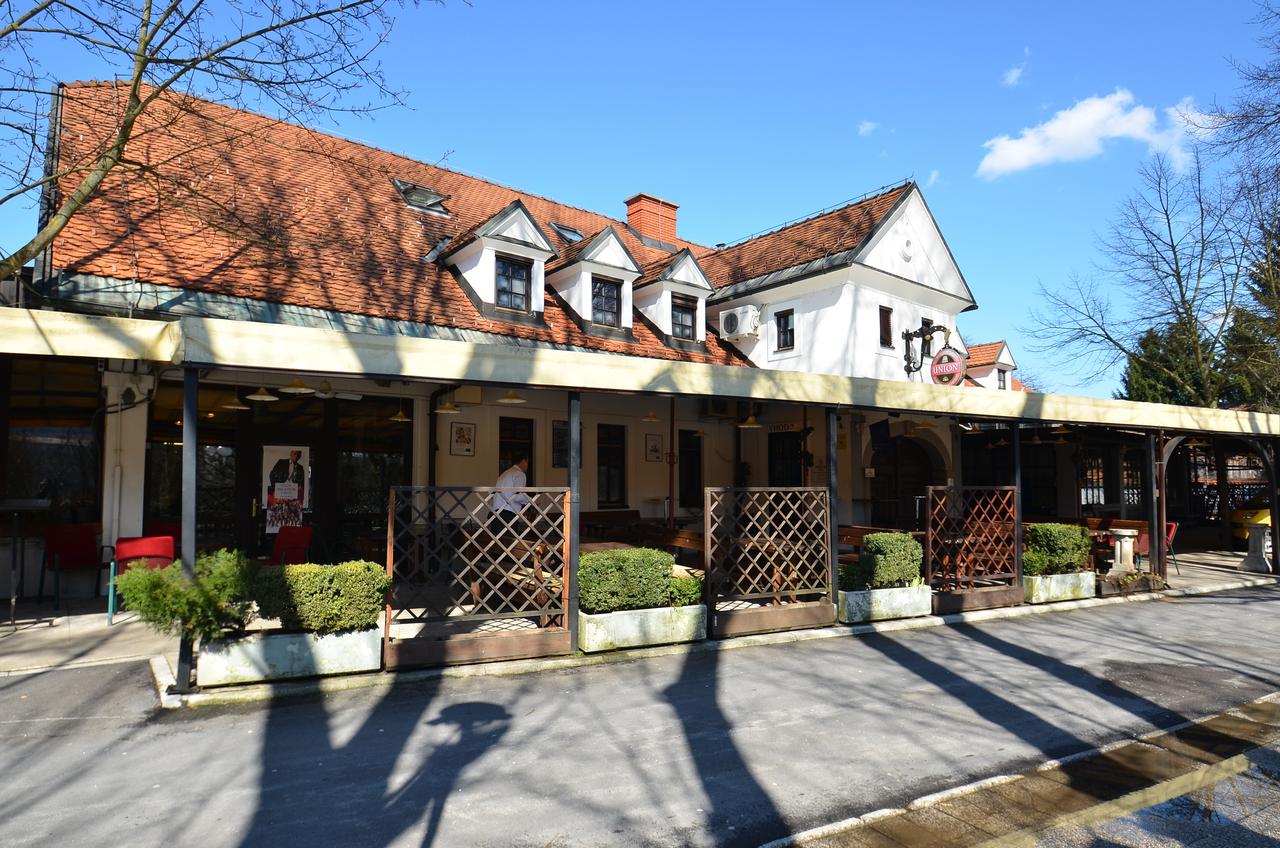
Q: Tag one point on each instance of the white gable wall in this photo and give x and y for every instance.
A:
(930, 261)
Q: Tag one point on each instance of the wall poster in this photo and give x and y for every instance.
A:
(286, 489)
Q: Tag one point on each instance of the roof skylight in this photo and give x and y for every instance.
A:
(421, 197)
(566, 232)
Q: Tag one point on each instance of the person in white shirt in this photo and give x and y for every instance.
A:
(508, 504)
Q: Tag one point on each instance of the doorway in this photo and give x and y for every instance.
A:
(903, 472)
(515, 440)
(786, 459)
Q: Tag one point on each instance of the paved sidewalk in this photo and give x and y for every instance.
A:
(733, 747)
(76, 635)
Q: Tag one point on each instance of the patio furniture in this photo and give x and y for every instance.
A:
(291, 545)
(72, 547)
(132, 551)
(17, 544)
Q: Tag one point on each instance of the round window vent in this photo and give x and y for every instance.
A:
(908, 250)
(731, 323)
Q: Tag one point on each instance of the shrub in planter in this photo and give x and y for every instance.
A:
(215, 604)
(888, 560)
(322, 598)
(686, 591)
(632, 578)
(1055, 549)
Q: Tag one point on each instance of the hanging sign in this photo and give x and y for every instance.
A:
(948, 367)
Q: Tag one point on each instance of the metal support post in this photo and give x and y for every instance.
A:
(575, 511)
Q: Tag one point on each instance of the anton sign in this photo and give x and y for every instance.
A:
(947, 367)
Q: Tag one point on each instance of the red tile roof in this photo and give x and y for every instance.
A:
(982, 355)
(813, 238)
(242, 205)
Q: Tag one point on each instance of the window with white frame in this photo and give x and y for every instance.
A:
(1002, 379)
(784, 323)
(606, 301)
(684, 317)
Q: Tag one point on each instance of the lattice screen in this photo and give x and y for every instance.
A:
(971, 539)
(767, 545)
(453, 557)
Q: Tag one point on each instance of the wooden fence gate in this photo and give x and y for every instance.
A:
(769, 559)
(470, 581)
(972, 547)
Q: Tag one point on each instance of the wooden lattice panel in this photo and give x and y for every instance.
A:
(453, 558)
(972, 537)
(767, 545)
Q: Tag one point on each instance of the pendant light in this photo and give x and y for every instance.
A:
(235, 404)
(750, 424)
(262, 396)
(447, 408)
(400, 417)
(297, 387)
(651, 418)
(511, 398)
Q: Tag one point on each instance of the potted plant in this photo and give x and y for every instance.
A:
(328, 615)
(630, 598)
(1055, 564)
(884, 581)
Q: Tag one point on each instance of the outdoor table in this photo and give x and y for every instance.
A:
(16, 508)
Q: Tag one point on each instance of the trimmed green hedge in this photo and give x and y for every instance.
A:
(632, 578)
(322, 598)
(1055, 549)
(888, 560)
(213, 605)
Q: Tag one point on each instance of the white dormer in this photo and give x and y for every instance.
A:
(595, 281)
(991, 365)
(674, 298)
(503, 262)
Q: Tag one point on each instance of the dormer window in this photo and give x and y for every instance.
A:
(422, 198)
(566, 232)
(1002, 378)
(606, 302)
(684, 317)
(512, 278)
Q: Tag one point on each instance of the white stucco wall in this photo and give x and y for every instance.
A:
(476, 263)
(912, 232)
(124, 456)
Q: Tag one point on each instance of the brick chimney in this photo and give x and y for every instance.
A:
(653, 217)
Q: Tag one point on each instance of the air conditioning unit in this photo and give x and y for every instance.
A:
(740, 323)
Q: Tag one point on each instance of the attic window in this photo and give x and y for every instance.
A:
(422, 198)
(566, 232)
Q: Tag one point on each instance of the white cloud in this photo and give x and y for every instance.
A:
(866, 128)
(1079, 132)
(933, 178)
(1013, 75)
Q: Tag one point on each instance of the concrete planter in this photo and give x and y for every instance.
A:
(882, 604)
(1059, 587)
(274, 656)
(638, 628)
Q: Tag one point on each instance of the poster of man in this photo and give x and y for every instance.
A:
(285, 489)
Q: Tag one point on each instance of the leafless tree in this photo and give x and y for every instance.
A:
(1176, 257)
(1250, 125)
(294, 59)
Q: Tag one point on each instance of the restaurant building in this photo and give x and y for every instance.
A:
(269, 327)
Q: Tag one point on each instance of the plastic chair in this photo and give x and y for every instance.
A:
(1142, 547)
(291, 546)
(72, 547)
(133, 551)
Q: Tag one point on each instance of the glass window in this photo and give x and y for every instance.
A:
(926, 341)
(886, 327)
(567, 232)
(515, 440)
(785, 321)
(690, 465)
(611, 461)
(1002, 379)
(606, 301)
(684, 317)
(513, 283)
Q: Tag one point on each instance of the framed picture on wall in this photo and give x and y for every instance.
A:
(462, 438)
(653, 447)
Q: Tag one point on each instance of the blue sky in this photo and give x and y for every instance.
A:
(751, 114)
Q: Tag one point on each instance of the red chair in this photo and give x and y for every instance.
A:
(1142, 547)
(72, 547)
(165, 528)
(132, 552)
(291, 546)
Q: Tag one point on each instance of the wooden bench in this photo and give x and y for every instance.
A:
(608, 525)
(852, 536)
(688, 545)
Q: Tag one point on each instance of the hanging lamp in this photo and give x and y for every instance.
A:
(400, 417)
(447, 408)
(262, 396)
(511, 397)
(750, 424)
(297, 387)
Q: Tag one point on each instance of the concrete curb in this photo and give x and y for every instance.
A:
(381, 682)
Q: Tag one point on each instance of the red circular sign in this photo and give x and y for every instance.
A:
(948, 367)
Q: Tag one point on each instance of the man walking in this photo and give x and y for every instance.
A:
(508, 504)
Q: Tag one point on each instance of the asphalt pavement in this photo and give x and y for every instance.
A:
(713, 748)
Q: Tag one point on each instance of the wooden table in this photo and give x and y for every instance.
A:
(596, 547)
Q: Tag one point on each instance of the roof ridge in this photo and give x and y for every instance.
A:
(827, 210)
(339, 136)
